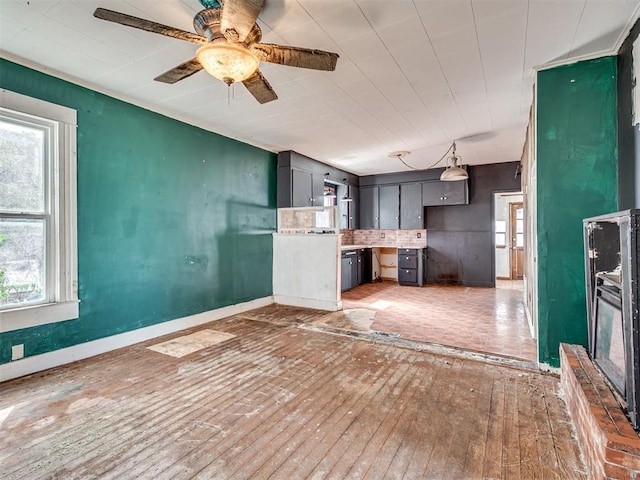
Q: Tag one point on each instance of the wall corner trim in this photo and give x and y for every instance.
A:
(67, 355)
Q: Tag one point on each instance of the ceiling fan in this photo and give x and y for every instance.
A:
(230, 47)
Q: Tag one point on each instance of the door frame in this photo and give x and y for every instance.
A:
(513, 248)
(492, 226)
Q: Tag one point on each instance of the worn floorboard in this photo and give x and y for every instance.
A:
(282, 402)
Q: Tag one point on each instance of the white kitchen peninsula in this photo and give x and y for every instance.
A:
(306, 258)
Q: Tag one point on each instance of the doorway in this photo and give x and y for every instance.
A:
(509, 228)
(516, 228)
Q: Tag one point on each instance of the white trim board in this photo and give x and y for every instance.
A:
(63, 356)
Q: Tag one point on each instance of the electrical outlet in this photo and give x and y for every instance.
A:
(382, 235)
(419, 234)
(17, 352)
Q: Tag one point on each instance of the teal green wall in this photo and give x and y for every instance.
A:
(173, 220)
(576, 178)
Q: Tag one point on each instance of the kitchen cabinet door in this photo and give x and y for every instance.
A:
(389, 207)
(345, 274)
(455, 193)
(369, 208)
(411, 207)
(307, 189)
(436, 193)
(354, 207)
(302, 188)
(349, 273)
(364, 266)
(432, 193)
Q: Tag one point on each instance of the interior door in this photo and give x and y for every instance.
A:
(517, 240)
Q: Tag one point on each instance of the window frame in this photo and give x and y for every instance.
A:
(496, 233)
(61, 237)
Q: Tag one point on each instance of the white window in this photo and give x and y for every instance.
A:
(38, 265)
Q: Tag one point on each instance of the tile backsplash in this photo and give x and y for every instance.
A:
(385, 238)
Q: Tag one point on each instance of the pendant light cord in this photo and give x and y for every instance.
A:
(453, 146)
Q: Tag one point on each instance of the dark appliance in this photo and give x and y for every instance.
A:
(611, 264)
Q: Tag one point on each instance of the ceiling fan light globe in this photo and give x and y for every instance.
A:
(227, 61)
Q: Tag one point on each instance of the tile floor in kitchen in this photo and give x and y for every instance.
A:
(487, 320)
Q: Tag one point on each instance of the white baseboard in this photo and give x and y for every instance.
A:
(63, 356)
(308, 303)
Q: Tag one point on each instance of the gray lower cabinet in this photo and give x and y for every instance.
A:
(390, 207)
(411, 262)
(411, 215)
(369, 208)
(436, 193)
(349, 270)
(356, 268)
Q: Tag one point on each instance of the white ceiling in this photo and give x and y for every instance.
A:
(412, 75)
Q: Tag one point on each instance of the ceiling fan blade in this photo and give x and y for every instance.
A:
(180, 72)
(237, 18)
(148, 25)
(295, 56)
(260, 88)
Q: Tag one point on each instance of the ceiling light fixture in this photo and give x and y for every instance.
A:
(229, 62)
(454, 172)
(399, 155)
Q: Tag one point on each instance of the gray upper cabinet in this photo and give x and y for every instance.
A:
(369, 208)
(307, 189)
(411, 215)
(301, 180)
(354, 208)
(390, 207)
(348, 210)
(436, 193)
(302, 187)
(456, 193)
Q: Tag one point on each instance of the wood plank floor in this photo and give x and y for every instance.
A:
(283, 402)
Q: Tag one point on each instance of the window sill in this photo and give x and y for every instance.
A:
(35, 315)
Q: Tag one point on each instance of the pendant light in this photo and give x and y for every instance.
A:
(329, 192)
(454, 172)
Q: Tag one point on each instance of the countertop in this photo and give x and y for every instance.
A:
(357, 247)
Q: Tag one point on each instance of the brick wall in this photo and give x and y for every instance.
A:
(610, 446)
(390, 238)
(347, 237)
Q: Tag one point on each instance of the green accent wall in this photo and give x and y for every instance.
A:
(173, 220)
(576, 179)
